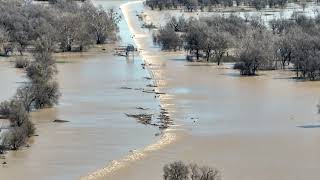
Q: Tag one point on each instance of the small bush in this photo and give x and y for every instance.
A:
(18, 114)
(14, 138)
(245, 70)
(176, 171)
(14, 111)
(29, 128)
(17, 136)
(180, 171)
(46, 94)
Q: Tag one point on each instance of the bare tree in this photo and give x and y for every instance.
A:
(176, 171)
(195, 37)
(216, 44)
(63, 23)
(14, 111)
(101, 23)
(255, 52)
(14, 138)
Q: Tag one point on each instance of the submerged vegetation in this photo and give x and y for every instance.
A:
(41, 30)
(181, 171)
(41, 91)
(286, 43)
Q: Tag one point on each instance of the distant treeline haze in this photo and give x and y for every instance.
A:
(192, 5)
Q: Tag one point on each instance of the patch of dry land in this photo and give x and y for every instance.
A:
(248, 127)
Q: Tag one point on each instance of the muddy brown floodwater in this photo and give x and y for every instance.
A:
(248, 127)
(92, 100)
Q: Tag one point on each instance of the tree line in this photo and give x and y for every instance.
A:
(44, 29)
(40, 91)
(286, 43)
(65, 24)
(192, 5)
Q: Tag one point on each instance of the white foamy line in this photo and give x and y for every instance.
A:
(166, 138)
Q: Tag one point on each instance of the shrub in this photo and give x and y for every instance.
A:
(14, 138)
(180, 171)
(14, 111)
(29, 128)
(46, 94)
(176, 171)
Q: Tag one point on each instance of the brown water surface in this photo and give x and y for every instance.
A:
(92, 100)
(248, 127)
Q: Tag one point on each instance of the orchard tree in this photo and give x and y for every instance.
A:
(255, 52)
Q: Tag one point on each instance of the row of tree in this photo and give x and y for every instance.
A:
(181, 171)
(191, 5)
(254, 46)
(25, 27)
(40, 91)
(66, 25)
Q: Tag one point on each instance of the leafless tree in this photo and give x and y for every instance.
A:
(216, 44)
(176, 171)
(14, 138)
(255, 52)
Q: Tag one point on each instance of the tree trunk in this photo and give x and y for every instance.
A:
(69, 48)
(197, 54)
(283, 65)
(208, 56)
(98, 41)
(220, 58)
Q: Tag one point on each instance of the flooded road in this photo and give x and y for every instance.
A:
(248, 127)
